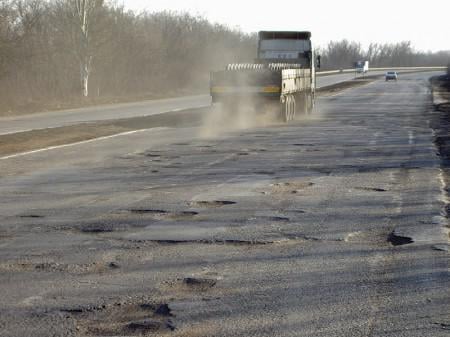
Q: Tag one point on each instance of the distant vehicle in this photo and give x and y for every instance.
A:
(362, 67)
(391, 75)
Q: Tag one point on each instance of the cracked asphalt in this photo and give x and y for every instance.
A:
(332, 225)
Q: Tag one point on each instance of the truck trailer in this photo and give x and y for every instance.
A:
(281, 79)
(362, 67)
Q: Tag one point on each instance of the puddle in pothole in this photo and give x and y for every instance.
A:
(163, 214)
(371, 189)
(31, 216)
(97, 228)
(213, 203)
(398, 240)
(147, 211)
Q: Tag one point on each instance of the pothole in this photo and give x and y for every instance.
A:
(371, 189)
(163, 214)
(31, 216)
(273, 218)
(231, 242)
(182, 215)
(98, 228)
(269, 173)
(82, 309)
(143, 326)
(214, 203)
(442, 248)
(163, 310)
(296, 211)
(201, 284)
(123, 319)
(153, 154)
(188, 213)
(52, 267)
(113, 265)
(294, 187)
(147, 211)
(445, 324)
(398, 240)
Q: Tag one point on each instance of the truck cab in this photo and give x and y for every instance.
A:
(286, 47)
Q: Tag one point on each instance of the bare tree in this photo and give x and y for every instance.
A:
(4, 26)
(81, 16)
(342, 54)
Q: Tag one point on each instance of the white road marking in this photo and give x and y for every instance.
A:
(18, 131)
(343, 90)
(77, 143)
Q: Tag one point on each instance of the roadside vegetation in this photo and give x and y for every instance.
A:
(63, 53)
(342, 54)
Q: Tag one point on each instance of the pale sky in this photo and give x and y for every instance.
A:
(425, 23)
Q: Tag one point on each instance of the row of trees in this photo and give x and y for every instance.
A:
(54, 51)
(343, 54)
(66, 50)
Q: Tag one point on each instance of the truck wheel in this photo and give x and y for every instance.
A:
(284, 111)
(288, 108)
(294, 108)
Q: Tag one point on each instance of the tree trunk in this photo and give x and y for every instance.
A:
(85, 71)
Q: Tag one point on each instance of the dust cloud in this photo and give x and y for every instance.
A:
(223, 118)
(244, 115)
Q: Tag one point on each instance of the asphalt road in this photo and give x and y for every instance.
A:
(126, 110)
(270, 230)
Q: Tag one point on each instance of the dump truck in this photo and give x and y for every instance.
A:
(282, 79)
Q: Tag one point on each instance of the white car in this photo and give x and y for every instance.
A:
(391, 75)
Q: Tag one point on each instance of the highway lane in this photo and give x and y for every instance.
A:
(275, 230)
(328, 80)
(99, 113)
(125, 110)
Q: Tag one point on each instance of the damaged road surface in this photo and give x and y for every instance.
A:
(327, 226)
